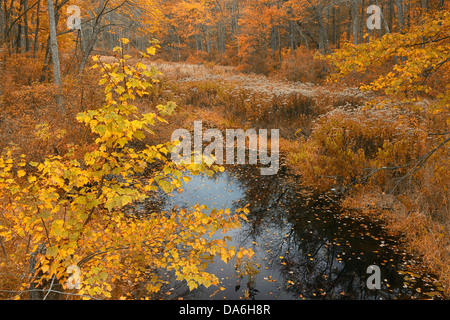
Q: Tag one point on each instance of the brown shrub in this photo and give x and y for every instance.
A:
(198, 57)
(302, 66)
(259, 64)
(345, 143)
(29, 117)
(22, 70)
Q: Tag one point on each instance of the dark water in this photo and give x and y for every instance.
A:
(306, 246)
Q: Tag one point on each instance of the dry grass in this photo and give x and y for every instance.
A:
(250, 100)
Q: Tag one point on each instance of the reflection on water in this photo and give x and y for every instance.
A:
(306, 247)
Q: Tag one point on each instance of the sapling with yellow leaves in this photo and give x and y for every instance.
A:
(68, 211)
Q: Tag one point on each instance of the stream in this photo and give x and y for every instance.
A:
(306, 246)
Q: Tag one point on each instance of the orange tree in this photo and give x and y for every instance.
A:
(419, 58)
(405, 132)
(67, 212)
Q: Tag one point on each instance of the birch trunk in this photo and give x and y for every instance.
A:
(55, 56)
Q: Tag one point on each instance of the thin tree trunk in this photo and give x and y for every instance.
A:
(236, 18)
(362, 26)
(387, 27)
(55, 56)
(1, 22)
(319, 13)
(273, 42)
(391, 13)
(8, 31)
(303, 35)
(349, 24)
(401, 22)
(424, 5)
(338, 30)
(326, 39)
(19, 30)
(207, 43)
(334, 38)
(93, 39)
(406, 13)
(36, 34)
(48, 56)
(355, 21)
(220, 37)
(25, 21)
(292, 35)
(46, 60)
(279, 43)
(179, 46)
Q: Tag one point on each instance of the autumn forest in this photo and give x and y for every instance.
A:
(347, 100)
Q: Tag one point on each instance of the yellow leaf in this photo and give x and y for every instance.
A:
(45, 268)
